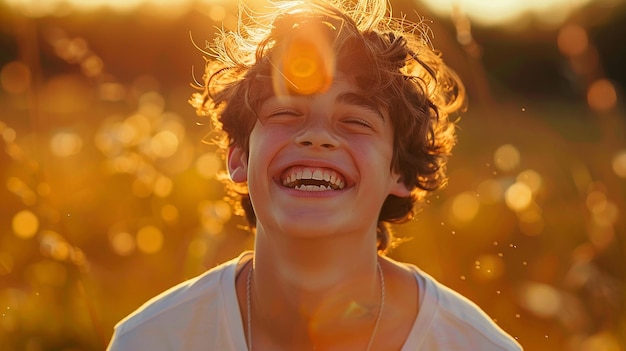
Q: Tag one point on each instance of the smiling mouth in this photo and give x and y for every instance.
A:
(312, 179)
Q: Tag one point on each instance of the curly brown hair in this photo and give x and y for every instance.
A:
(389, 60)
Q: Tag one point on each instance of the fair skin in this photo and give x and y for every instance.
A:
(315, 281)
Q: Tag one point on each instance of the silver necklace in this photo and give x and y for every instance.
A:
(380, 310)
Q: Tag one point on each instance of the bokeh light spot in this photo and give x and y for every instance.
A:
(164, 144)
(518, 197)
(541, 299)
(607, 215)
(531, 178)
(212, 225)
(135, 129)
(21, 190)
(506, 157)
(111, 91)
(92, 66)
(65, 144)
(596, 201)
(208, 165)
(572, 40)
(25, 224)
(53, 245)
(465, 206)
(122, 243)
(222, 210)
(213, 215)
(169, 213)
(149, 239)
(70, 50)
(151, 104)
(15, 77)
(217, 13)
(619, 164)
(8, 134)
(601, 236)
(163, 186)
(601, 95)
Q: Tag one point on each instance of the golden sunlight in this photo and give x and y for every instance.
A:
(502, 12)
(35, 8)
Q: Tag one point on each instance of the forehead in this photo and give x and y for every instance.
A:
(342, 91)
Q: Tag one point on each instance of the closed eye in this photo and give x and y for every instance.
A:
(282, 116)
(282, 112)
(359, 122)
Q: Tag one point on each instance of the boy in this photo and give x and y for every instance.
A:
(335, 121)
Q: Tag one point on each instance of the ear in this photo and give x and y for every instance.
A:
(398, 188)
(237, 164)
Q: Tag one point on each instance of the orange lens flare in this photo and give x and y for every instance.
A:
(305, 64)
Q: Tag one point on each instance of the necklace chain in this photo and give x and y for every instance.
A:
(380, 309)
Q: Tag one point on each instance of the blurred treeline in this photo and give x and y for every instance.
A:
(108, 194)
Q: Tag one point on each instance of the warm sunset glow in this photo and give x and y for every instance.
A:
(34, 8)
(502, 12)
(112, 187)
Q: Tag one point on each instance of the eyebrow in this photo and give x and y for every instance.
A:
(351, 98)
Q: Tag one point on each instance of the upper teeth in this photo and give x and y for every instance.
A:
(313, 179)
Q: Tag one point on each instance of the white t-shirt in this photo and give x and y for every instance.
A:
(203, 314)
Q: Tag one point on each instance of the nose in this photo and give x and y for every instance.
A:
(316, 135)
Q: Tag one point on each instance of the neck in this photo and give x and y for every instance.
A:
(316, 288)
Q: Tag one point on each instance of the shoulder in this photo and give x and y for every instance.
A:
(453, 320)
(177, 310)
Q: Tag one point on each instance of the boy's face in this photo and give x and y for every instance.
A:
(319, 164)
